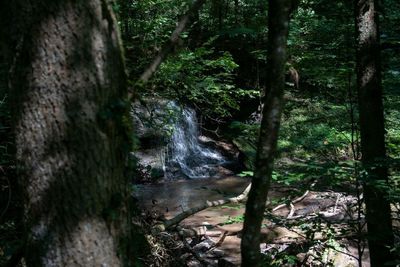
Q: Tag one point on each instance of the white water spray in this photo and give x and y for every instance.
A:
(192, 158)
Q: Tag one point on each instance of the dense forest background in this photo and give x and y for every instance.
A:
(218, 66)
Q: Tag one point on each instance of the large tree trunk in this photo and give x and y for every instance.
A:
(278, 26)
(71, 129)
(372, 130)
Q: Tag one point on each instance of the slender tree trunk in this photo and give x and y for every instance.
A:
(236, 12)
(124, 18)
(71, 128)
(372, 130)
(278, 25)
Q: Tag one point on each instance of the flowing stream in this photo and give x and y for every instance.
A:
(185, 153)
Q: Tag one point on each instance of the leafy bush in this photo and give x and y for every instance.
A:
(203, 78)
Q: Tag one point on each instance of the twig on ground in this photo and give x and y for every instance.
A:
(222, 239)
(291, 202)
(292, 210)
(336, 204)
(294, 201)
(193, 252)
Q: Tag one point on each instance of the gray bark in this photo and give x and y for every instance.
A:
(69, 92)
(372, 132)
(278, 25)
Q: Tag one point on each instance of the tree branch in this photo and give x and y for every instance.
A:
(171, 43)
(181, 216)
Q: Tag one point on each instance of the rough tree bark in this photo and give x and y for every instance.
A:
(372, 131)
(71, 127)
(278, 24)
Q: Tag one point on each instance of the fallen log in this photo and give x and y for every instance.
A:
(208, 204)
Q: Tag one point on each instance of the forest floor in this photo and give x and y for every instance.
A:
(318, 228)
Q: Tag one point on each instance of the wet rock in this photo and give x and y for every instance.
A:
(216, 253)
(194, 263)
(247, 152)
(227, 149)
(204, 246)
(151, 158)
(169, 136)
(225, 263)
(150, 118)
(342, 260)
(185, 257)
(224, 171)
(301, 256)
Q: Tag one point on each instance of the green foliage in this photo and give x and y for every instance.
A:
(393, 188)
(244, 136)
(246, 174)
(158, 115)
(279, 259)
(314, 141)
(10, 240)
(393, 124)
(246, 20)
(203, 78)
(248, 131)
(146, 25)
(392, 116)
(236, 219)
(322, 250)
(320, 44)
(315, 129)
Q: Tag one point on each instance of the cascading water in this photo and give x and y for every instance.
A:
(186, 152)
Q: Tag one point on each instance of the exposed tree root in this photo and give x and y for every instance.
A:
(292, 210)
(284, 232)
(193, 252)
(293, 202)
(221, 239)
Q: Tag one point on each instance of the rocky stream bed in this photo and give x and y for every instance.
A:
(316, 228)
(190, 175)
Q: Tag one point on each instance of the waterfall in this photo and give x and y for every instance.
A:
(186, 153)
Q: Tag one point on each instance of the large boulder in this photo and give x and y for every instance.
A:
(247, 152)
(153, 120)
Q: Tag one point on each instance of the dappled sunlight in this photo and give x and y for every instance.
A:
(199, 133)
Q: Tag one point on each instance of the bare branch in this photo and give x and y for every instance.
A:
(181, 216)
(173, 40)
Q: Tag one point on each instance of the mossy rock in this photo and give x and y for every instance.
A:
(156, 173)
(247, 152)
